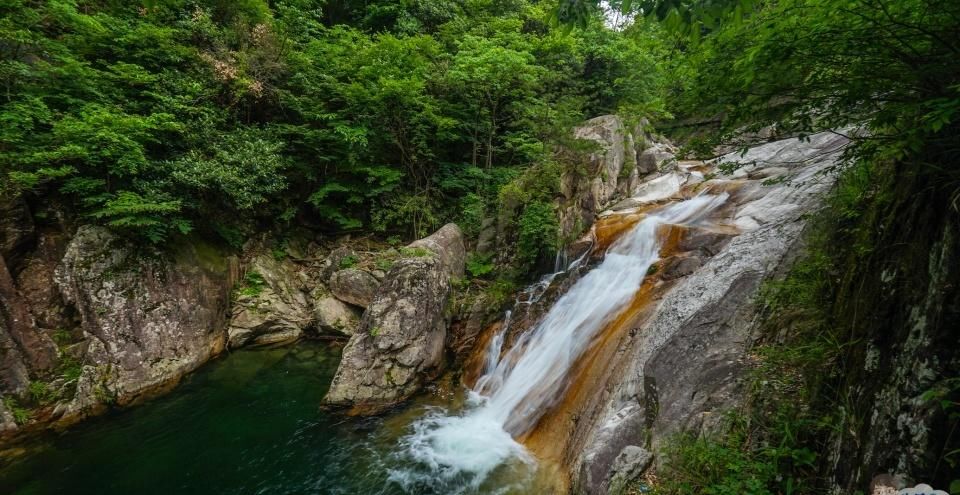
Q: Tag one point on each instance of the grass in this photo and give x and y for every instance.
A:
(252, 285)
(417, 252)
(21, 415)
(349, 261)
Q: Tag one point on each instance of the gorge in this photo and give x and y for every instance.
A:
(509, 247)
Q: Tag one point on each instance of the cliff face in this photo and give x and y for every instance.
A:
(622, 155)
(93, 322)
(90, 321)
(900, 302)
(146, 321)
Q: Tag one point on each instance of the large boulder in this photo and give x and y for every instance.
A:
(335, 316)
(271, 304)
(399, 345)
(354, 286)
(612, 171)
(147, 319)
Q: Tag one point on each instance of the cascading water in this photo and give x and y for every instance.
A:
(456, 453)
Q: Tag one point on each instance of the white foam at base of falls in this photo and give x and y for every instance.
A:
(455, 453)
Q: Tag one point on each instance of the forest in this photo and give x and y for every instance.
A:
(227, 117)
(181, 122)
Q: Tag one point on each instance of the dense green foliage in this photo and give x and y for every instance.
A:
(166, 116)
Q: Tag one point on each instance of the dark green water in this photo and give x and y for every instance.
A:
(245, 424)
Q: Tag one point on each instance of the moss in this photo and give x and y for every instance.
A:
(388, 376)
(500, 291)
(384, 263)
(630, 158)
(208, 255)
(348, 261)
(654, 268)
(211, 257)
(62, 337)
(417, 252)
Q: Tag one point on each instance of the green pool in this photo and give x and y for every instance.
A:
(247, 423)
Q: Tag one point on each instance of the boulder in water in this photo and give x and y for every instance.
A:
(399, 344)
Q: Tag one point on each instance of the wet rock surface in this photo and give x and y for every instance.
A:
(684, 363)
(400, 342)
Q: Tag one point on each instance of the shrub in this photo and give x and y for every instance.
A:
(480, 265)
(538, 237)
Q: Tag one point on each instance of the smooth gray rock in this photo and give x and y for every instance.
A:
(611, 173)
(335, 316)
(333, 261)
(632, 462)
(354, 286)
(658, 157)
(399, 345)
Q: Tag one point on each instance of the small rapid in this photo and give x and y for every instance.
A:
(457, 453)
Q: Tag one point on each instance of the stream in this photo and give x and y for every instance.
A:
(249, 423)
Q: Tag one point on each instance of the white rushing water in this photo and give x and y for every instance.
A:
(456, 453)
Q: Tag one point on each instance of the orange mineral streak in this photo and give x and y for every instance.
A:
(609, 228)
(584, 395)
(473, 367)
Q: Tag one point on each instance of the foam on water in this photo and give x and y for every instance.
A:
(455, 453)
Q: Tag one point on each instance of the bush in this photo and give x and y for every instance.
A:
(479, 265)
(538, 234)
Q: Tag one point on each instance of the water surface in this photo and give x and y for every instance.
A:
(248, 423)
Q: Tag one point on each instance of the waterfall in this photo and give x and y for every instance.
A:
(458, 450)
